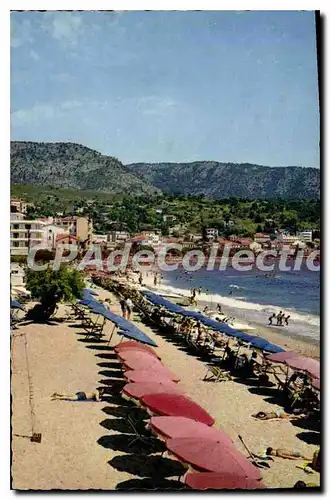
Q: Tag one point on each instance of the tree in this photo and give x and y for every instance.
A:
(51, 287)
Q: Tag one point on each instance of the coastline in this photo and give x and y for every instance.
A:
(290, 341)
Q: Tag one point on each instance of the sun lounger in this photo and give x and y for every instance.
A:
(88, 323)
(216, 374)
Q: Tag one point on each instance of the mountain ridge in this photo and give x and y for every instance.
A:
(71, 165)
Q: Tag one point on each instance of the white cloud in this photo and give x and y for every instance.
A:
(157, 106)
(65, 27)
(45, 112)
(36, 113)
(20, 32)
(70, 104)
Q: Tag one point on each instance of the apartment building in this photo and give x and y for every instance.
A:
(24, 234)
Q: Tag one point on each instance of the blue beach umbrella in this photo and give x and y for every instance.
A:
(126, 327)
(14, 304)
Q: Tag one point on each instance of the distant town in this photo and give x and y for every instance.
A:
(80, 228)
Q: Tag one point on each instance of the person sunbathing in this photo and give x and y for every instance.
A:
(277, 414)
(79, 396)
(290, 455)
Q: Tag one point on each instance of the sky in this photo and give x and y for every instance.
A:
(169, 86)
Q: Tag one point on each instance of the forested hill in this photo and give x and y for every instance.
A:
(69, 165)
(224, 180)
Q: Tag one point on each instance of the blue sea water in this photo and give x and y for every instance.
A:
(251, 296)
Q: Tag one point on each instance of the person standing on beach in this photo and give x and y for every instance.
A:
(129, 307)
(155, 279)
(122, 303)
(271, 318)
(286, 320)
(280, 318)
(141, 279)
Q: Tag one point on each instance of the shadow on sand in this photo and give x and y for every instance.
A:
(149, 466)
(310, 437)
(152, 484)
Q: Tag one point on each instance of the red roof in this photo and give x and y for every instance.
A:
(140, 237)
(261, 235)
(63, 236)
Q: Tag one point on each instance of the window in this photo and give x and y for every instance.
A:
(16, 226)
(28, 227)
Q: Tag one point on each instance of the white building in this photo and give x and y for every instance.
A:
(25, 234)
(99, 239)
(212, 233)
(153, 235)
(306, 235)
(51, 231)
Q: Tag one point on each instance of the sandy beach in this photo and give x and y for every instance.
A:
(85, 444)
(306, 346)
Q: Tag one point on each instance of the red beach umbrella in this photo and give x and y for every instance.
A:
(141, 376)
(138, 359)
(176, 405)
(131, 345)
(212, 456)
(143, 361)
(137, 391)
(135, 350)
(281, 357)
(175, 427)
(308, 365)
(221, 481)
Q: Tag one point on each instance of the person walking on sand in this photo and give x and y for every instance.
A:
(129, 308)
(122, 303)
(155, 280)
(271, 318)
(286, 320)
(279, 318)
(141, 279)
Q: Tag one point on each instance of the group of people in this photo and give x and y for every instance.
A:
(281, 319)
(126, 306)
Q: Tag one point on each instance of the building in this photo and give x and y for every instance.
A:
(211, 233)
(118, 236)
(51, 231)
(25, 234)
(153, 235)
(288, 239)
(261, 238)
(17, 205)
(66, 239)
(169, 218)
(80, 227)
(306, 235)
(100, 239)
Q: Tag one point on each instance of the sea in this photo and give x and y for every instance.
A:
(252, 296)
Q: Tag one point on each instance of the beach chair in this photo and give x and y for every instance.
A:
(216, 374)
(93, 328)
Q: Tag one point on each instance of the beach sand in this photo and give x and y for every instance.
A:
(77, 437)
